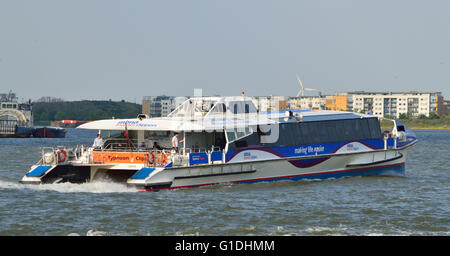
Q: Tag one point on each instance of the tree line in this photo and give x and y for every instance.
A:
(45, 112)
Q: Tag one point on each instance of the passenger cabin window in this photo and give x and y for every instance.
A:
(219, 108)
(292, 134)
(238, 133)
(231, 136)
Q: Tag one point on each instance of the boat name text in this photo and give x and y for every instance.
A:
(309, 149)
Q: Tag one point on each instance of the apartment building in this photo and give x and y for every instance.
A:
(307, 102)
(158, 106)
(271, 103)
(446, 107)
(394, 104)
(338, 102)
(275, 103)
(381, 104)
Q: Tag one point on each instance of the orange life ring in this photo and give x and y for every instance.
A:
(387, 132)
(64, 155)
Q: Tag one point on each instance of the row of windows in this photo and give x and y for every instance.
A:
(291, 134)
(9, 106)
(236, 134)
(236, 107)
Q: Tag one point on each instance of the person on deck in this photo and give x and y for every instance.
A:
(175, 142)
(98, 142)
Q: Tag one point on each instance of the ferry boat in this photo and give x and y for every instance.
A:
(227, 140)
(16, 119)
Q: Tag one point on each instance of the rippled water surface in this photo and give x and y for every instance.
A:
(418, 204)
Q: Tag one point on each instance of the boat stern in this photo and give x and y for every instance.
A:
(35, 174)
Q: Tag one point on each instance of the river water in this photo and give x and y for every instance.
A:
(417, 204)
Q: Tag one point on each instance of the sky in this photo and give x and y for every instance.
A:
(127, 49)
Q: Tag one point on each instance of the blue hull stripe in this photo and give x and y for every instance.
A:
(38, 171)
(142, 173)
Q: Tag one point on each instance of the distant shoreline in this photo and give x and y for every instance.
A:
(421, 124)
(429, 128)
(418, 128)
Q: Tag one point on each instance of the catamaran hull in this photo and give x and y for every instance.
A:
(76, 173)
(47, 174)
(388, 162)
(251, 176)
(315, 168)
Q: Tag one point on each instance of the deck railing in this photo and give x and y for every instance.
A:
(147, 157)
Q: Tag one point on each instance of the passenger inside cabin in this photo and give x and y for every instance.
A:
(142, 147)
(156, 146)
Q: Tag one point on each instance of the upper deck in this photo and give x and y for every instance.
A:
(227, 124)
(217, 113)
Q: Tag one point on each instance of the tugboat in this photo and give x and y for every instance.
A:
(227, 140)
(16, 119)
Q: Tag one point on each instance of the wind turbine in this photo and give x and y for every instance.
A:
(303, 89)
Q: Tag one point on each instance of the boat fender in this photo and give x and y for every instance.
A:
(152, 158)
(386, 132)
(164, 158)
(62, 155)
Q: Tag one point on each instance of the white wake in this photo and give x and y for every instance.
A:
(91, 187)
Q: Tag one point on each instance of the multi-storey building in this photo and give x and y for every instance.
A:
(274, 103)
(394, 104)
(312, 102)
(338, 102)
(446, 107)
(157, 106)
(271, 103)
